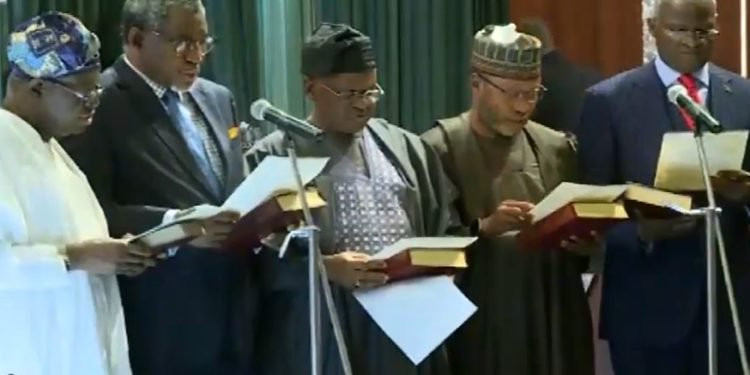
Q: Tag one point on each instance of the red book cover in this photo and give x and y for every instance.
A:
(570, 220)
(399, 267)
(265, 219)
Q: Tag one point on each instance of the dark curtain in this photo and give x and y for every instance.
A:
(234, 61)
(233, 22)
(422, 47)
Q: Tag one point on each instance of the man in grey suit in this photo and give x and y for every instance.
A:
(165, 140)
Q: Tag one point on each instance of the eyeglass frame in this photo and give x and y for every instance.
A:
(540, 90)
(181, 45)
(373, 94)
(702, 35)
(90, 100)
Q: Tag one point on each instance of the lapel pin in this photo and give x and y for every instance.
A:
(233, 132)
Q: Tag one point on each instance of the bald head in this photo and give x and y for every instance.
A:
(656, 6)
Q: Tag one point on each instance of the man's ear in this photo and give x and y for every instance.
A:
(134, 37)
(475, 83)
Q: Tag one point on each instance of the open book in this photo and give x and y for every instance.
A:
(577, 210)
(267, 201)
(679, 167)
(418, 256)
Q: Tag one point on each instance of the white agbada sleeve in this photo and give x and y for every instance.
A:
(24, 265)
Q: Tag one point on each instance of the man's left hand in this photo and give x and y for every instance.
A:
(585, 246)
(731, 186)
(216, 229)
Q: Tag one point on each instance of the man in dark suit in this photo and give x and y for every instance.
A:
(165, 140)
(654, 302)
(566, 81)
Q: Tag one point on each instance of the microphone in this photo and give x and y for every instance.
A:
(262, 110)
(678, 95)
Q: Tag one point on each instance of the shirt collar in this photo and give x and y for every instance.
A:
(669, 76)
(158, 89)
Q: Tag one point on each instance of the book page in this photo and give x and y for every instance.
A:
(679, 169)
(568, 192)
(272, 177)
(424, 243)
(417, 314)
(587, 279)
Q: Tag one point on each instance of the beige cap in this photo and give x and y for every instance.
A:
(502, 51)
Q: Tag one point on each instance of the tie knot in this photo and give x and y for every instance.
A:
(688, 81)
(170, 96)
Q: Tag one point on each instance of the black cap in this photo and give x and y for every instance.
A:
(335, 49)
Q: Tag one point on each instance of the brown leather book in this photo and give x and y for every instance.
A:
(655, 204)
(423, 256)
(573, 219)
(274, 215)
(413, 263)
(163, 237)
(577, 209)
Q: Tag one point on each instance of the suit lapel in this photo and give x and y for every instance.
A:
(219, 130)
(721, 101)
(647, 117)
(648, 95)
(145, 100)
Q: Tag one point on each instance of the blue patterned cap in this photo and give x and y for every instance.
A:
(53, 45)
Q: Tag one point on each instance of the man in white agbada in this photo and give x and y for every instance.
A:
(60, 310)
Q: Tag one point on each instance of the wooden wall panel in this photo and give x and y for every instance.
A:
(727, 49)
(619, 35)
(606, 34)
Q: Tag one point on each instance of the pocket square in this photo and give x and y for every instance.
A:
(233, 132)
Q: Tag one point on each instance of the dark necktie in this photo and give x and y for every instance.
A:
(187, 128)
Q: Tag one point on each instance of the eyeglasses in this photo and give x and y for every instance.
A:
(351, 95)
(685, 34)
(529, 95)
(89, 99)
(182, 45)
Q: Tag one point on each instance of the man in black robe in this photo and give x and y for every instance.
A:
(381, 184)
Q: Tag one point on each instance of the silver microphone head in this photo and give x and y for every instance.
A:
(258, 109)
(675, 91)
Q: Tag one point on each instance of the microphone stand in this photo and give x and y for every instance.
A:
(317, 271)
(714, 236)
